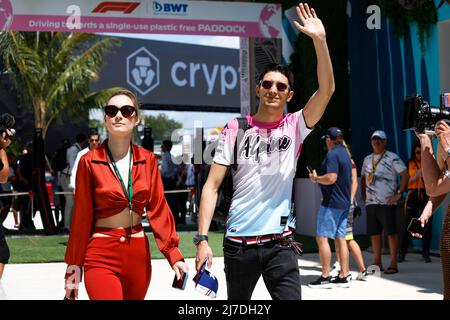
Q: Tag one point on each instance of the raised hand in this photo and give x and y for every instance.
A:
(310, 24)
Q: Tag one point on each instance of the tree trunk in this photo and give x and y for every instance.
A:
(39, 115)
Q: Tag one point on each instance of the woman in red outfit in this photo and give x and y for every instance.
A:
(115, 185)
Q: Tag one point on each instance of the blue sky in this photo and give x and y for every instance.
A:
(209, 119)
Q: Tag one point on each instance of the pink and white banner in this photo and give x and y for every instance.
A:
(235, 19)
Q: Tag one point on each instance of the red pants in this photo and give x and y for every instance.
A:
(117, 267)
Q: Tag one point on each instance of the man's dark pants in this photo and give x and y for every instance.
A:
(276, 263)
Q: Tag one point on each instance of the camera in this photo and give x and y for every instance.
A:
(7, 121)
(418, 115)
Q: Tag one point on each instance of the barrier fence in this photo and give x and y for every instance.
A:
(31, 194)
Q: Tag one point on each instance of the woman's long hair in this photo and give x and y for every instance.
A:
(415, 145)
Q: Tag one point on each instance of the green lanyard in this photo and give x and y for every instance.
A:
(129, 194)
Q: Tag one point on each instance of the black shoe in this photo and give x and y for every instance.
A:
(401, 257)
(342, 282)
(426, 258)
(321, 283)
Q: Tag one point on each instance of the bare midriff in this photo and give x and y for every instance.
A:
(119, 221)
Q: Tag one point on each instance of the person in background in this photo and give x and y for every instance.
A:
(416, 200)
(5, 141)
(335, 184)
(24, 175)
(64, 177)
(182, 196)
(7, 188)
(380, 192)
(353, 213)
(93, 142)
(169, 174)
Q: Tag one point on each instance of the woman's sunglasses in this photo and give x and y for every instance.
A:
(126, 111)
(267, 84)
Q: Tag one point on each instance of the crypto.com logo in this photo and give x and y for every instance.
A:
(143, 71)
(124, 7)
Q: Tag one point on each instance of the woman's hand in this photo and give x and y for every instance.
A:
(180, 267)
(424, 217)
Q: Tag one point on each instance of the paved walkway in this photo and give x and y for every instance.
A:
(415, 281)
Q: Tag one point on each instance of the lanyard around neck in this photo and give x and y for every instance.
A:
(129, 193)
(375, 164)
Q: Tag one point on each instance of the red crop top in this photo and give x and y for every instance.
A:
(99, 194)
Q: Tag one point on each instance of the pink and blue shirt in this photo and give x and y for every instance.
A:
(262, 183)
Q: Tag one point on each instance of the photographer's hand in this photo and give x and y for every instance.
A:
(5, 142)
(443, 134)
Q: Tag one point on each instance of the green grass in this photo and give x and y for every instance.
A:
(41, 249)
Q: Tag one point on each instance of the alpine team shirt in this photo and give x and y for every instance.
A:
(384, 182)
(262, 183)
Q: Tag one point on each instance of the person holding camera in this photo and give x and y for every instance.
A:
(436, 176)
(5, 140)
(4, 164)
(6, 133)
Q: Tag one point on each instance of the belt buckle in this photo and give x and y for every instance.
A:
(259, 241)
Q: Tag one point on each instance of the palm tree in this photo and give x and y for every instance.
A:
(52, 71)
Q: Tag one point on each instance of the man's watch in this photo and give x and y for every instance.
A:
(198, 238)
(447, 154)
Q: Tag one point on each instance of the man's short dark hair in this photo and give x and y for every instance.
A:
(167, 144)
(281, 68)
(81, 137)
(93, 133)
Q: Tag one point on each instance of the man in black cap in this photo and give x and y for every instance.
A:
(335, 183)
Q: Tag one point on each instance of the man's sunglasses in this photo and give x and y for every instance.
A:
(267, 84)
(126, 111)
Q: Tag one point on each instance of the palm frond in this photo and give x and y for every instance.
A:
(52, 71)
(82, 69)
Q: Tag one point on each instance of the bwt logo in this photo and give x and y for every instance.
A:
(170, 7)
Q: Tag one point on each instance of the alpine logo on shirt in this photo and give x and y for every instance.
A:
(254, 145)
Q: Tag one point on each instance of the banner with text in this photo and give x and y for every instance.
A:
(174, 76)
(217, 18)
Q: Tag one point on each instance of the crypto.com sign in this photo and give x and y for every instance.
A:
(235, 19)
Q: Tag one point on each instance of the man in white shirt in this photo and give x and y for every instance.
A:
(260, 223)
(380, 193)
(64, 177)
(93, 142)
